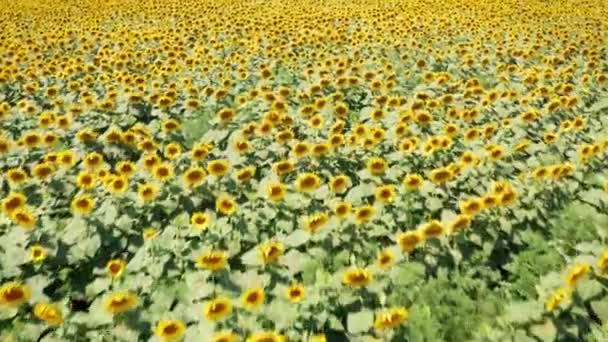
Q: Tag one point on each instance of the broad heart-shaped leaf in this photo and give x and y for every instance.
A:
(545, 331)
(599, 105)
(282, 314)
(589, 288)
(297, 238)
(109, 212)
(360, 321)
(521, 312)
(600, 307)
(74, 230)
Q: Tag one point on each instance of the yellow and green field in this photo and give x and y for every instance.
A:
(282, 170)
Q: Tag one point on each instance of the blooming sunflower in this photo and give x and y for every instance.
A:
(295, 293)
(266, 336)
(225, 204)
(212, 260)
(390, 318)
(13, 294)
(577, 273)
(49, 313)
(307, 182)
(12, 202)
(147, 192)
(170, 330)
(252, 298)
(116, 267)
(408, 241)
(218, 167)
(357, 277)
(37, 253)
(271, 251)
(118, 302)
(83, 204)
(364, 214)
(218, 309)
(200, 220)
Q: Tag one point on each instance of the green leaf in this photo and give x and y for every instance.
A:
(74, 230)
(521, 312)
(360, 322)
(589, 288)
(599, 105)
(600, 307)
(545, 331)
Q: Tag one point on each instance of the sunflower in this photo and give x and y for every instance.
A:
(212, 260)
(170, 125)
(13, 294)
(276, 191)
(283, 167)
(16, 176)
(147, 192)
(357, 277)
(12, 202)
(163, 172)
(602, 262)
(390, 318)
(339, 183)
(318, 338)
(242, 146)
(471, 206)
(118, 302)
(170, 330)
(385, 194)
(43, 170)
(412, 181)
(93, 160)
(48, 313)
(150, 161)
(149, 233)
(116, 267)
(576, 274)
(408, 241)
(461, 222)
(200, 152)
(253, 298)
(385, 259)
(218, 167)
(342, 209)
(377, 166)
(225, 336)
(225, 204)
(271, 251)
(557, 299)
(193, 176)
(300, 149)
(23, 218)
(83, 204)
(315, 222)
(307, 182)
(218, 309)
(507, 197)
(364, 214)
(86, 180)
(440, 175)
(432, 229)
(295, 293)
(245, 174)
(125, 168)
(200, 221)
(118, 185)
(266, 336)
(225, 114)
(37, 253)
(66, 158)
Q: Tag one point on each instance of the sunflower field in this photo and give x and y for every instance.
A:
(304, 170)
